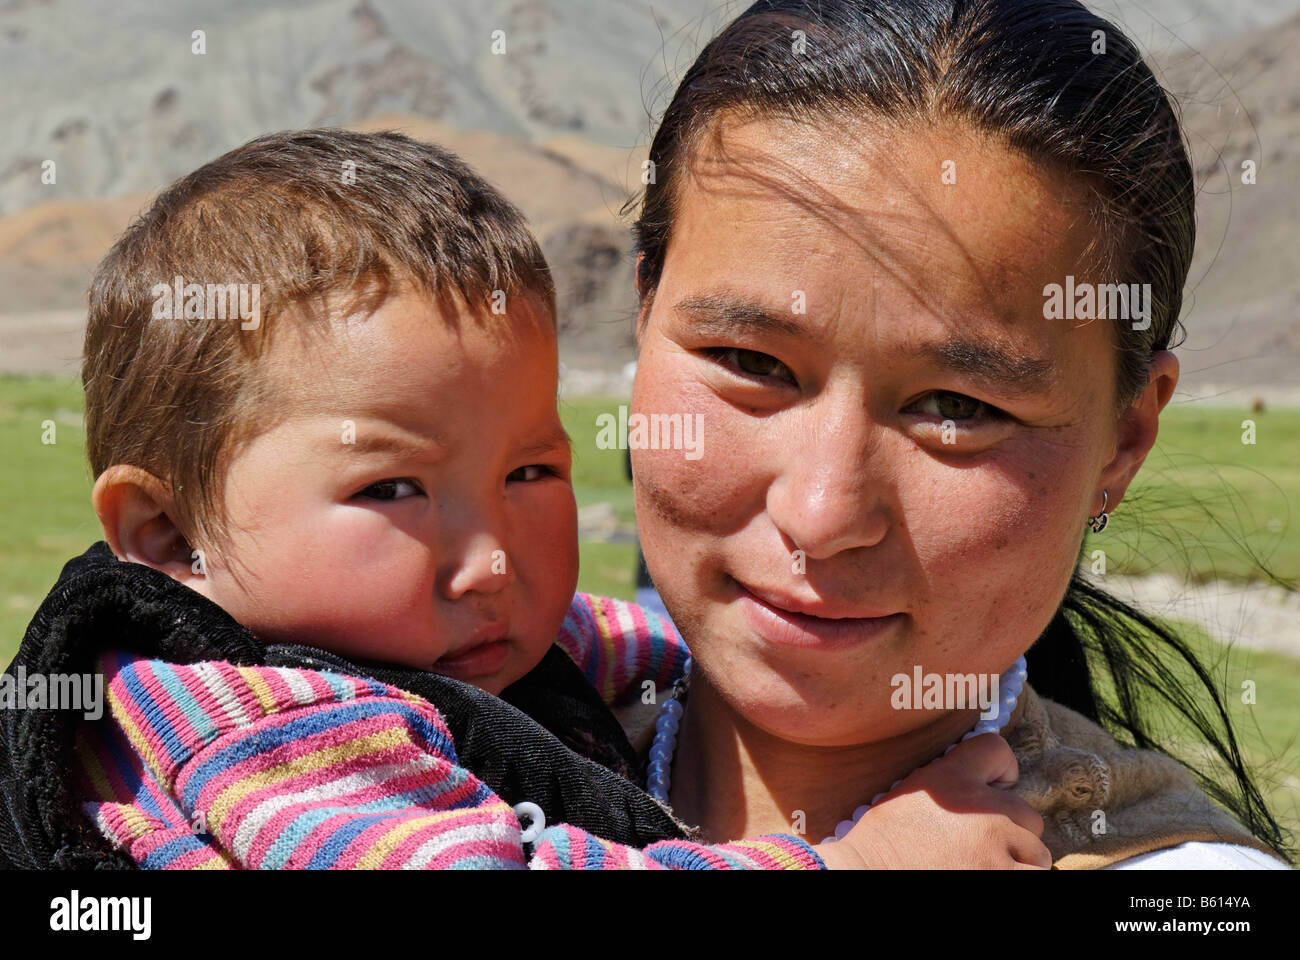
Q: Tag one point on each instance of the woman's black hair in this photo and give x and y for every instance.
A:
(1066, 89)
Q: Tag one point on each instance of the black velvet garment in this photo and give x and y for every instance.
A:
(549, 739)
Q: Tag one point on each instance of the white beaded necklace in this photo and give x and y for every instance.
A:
(670, 715)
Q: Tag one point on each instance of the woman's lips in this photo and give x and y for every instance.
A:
(774, 620)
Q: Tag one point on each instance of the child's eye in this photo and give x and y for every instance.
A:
(750, 363)
(391, 490)
(534, 471)
(956, 407)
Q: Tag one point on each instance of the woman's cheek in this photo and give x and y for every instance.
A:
(705, 485)
(990, 544)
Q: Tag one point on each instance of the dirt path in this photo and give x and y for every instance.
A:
(42, 342)
(1259, 616)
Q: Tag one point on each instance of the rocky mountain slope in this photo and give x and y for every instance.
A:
(116, 96)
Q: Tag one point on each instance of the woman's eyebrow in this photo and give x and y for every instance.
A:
(723, 313)
(974, 357)
(990, 361)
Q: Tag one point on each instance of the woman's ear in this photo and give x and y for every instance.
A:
(1138, 427)
(645, 297)
(640, 275)
(135, 510)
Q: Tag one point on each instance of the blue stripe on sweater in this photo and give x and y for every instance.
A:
(198, 717)
(155, 718)
(319, 721)
(419, 801)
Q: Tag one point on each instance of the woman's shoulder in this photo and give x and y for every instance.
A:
(1105, 803)
(1201, 855)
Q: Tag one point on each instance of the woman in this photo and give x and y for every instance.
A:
(852, 253)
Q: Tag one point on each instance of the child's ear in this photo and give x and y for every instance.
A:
(135, 510)
(1138, 426)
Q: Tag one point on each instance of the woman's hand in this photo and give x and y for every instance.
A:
(957, 812)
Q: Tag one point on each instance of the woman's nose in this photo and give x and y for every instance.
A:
(823, 498)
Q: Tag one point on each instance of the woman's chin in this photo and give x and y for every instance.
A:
(825, 711)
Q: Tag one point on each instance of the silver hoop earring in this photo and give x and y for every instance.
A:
(1098, 523)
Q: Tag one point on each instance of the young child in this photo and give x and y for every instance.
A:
(320, 381)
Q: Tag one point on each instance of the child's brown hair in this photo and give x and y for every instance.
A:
(297, 218)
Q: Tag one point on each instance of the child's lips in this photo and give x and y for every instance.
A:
(485, 654)
(477, 661)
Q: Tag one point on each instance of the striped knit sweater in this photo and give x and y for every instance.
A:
(213, 766)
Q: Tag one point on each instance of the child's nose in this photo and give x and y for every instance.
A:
(482, 566)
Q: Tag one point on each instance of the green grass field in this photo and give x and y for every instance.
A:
(1206, 505)
(1210, 506)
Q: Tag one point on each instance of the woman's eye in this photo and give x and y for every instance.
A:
(534, 471)
(752, 363)
(955, 406)
(391, 490)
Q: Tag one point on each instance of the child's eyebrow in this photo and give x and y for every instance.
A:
(403, 445)
(555, 442)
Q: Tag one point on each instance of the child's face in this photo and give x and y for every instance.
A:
(414, 506)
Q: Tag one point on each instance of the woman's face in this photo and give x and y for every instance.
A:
(899, 451)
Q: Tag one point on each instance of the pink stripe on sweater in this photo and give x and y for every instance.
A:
(364, 841)
(271, 831)
(360, 687)
(319, 686)
(361, 844)
(242, 690)
(640, 639)
(401, 855)
(326, 829)
(398, 753)
(150, 842)
(289, 753)
(286, 752)
(113, 821)
(498, 849)
(279, 687)
(196, 858)
(608, 650)
(108, 761)
(184, 730)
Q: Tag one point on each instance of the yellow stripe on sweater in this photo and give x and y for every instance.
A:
(381, 848)
(607, 643)
(136, 823)
(260, 689)
(308, 762)
(217, 861)
(138, 741)
(778, 853)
